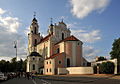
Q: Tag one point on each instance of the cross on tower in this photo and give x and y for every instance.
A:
(34, 14)
(51, 20)
(62, 19)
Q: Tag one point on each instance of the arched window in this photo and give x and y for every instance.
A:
(68, 62)
(35, 30)
(47, 70)
(33, 66)
(33, 58)
(31, 31)
(59, 62)
(35, 41)
(62, 36)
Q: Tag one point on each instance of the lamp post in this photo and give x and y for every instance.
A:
(15, 46)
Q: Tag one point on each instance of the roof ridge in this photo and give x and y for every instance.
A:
(54, 55)
(70, 38)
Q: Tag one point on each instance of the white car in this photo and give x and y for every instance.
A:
(2, 76)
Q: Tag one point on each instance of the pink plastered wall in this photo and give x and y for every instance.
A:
(79, 55)
(61, 58)
(68, 49)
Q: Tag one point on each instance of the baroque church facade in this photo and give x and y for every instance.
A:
(59, 49)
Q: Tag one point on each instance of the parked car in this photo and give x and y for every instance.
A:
(2, 76)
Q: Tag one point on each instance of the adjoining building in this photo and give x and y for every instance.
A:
(58, 49)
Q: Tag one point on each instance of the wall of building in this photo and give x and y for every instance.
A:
(41, 49)
(68, 51)
(79, 57)
(60, 28)
(76, 70)
(58, 59)
(62, 47)
(80, 70)
(62, 71)
(49, 67)
(36, 62)
(73, 51)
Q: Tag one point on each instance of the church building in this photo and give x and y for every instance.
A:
(58, 49)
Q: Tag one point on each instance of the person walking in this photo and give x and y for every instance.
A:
(28, 75)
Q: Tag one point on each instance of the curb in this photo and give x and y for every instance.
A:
(66, 80)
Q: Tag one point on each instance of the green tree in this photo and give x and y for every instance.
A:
(19, 65)
(24, 65)
(2, 65)
(101, 58)
(13, 66)
(13, 60)
(107, 68)
(115, 53)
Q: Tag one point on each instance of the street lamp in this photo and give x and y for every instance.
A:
(15, 46)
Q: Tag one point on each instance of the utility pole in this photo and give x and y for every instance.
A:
(15, 46)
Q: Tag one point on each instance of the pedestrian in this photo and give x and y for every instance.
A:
(33, 76)
(28, 75)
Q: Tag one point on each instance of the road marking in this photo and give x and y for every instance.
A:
(34, 81)
(45, 82)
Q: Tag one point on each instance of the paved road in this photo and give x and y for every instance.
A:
(78, 80)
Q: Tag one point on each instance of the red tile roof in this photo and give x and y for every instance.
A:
(70, 38)
(46, 38)
(53, 56)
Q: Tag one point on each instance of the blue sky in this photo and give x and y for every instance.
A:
(95, 22)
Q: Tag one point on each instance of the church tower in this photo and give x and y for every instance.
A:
(34, 36)
(50, 30)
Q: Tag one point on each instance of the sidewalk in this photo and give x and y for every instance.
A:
(79, 77)
(67, 78)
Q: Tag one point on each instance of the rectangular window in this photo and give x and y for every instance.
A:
(58, 50)
(33, 66)
(50, 69)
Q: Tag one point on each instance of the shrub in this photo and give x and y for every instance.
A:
(106, 68)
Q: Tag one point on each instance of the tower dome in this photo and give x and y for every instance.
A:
(34, 19)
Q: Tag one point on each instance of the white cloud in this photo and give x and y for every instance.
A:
(7, 58)
(63, 17)
(87, 36)
(2, 11)
(82, 8)
(10, 23)
(9, 32)
(90, 52)
(26, 31)
(72, 25)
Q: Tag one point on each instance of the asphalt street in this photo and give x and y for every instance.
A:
(69, 80)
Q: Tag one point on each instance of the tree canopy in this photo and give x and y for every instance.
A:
(13, 65)
(115, 53)
(101, 58)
